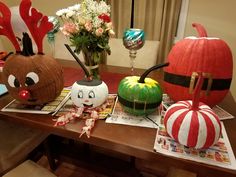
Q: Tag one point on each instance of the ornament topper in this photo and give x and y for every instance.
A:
(36, 22)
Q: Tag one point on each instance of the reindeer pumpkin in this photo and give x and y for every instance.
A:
(30, 78)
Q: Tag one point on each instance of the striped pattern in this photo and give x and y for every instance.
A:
(193, 128)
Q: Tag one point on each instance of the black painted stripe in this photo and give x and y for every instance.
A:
(217, 84)
(138, 105)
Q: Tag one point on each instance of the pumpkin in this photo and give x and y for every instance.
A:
(191, 123)
(140, 95)
(30, 78)
(33, 80)
(89, 92)
(199, 54)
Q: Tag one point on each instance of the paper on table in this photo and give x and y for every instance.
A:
(118, 116)
(3, 89)
(220, 154)
(16, 106)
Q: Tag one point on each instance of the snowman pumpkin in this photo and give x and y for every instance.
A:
(87, 95)
(89, 92)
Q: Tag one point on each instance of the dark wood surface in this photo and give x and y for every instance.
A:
(133, 141)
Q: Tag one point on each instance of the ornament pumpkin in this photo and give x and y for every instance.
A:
(205, 54)
(191, 123)
(140, 95)
(30, 78)
(87, 93)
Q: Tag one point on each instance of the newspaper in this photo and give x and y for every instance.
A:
(118, 116)
(48, 108)
(220, 154)
(3, 89)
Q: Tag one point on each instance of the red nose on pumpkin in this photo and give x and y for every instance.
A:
(24, 94)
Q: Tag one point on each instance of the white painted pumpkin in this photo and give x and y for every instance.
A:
(89, 94)
(191, 123)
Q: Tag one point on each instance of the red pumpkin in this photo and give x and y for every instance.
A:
(199, 54)
(191, 123)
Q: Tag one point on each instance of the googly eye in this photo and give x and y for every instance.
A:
(13, 81)
(91, 94)
(31, 79)
(80, 94)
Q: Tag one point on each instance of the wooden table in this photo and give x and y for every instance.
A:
(133, 141)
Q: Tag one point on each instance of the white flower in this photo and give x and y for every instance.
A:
(111, 33)
(61, 12)
(109, 25)
(81, 20)
(90, 18)
(70, 14)
(76, 7)
(97, 22)
(103, 8)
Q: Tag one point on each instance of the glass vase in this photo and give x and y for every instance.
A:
(92, 60)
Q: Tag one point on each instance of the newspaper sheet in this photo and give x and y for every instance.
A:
(118, 116)
(48, 108)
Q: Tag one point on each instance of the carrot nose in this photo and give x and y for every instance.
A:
(24, 94)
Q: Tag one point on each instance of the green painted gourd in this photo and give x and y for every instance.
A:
(140, 95)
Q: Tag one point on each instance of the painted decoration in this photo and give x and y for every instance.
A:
(191, 123)
(87, 93)
(30, 78)
(209, 55)
(140, 95)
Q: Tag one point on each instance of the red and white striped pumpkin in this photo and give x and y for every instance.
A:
(193, 123)
(193, 128)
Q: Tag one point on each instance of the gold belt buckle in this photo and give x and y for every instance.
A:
(205, 75)
(136, 101)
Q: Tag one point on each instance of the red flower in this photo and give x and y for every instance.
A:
(105, 18)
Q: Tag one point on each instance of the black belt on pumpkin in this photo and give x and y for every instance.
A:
(138, 105)
(217, 84)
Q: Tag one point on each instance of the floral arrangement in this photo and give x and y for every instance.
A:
(88, 26)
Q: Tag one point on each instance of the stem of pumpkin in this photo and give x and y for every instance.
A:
(200, 29)
(197, 91)
(144, 75)
(78, 60)
(27, 45)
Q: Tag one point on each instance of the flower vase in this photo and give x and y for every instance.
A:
(92, 60)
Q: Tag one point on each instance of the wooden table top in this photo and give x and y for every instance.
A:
(130, 140)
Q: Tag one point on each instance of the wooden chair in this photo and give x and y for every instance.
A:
(17, 142)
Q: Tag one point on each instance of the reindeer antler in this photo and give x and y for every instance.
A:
(37, 24)
(5, 26)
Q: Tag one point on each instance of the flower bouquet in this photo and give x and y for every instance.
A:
(88, 27)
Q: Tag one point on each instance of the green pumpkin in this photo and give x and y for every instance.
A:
(140, 95)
